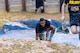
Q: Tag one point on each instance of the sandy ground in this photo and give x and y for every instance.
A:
(21, 46)
(18, 16)
(61, 38)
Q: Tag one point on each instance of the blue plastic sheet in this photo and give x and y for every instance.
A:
(2, 32)
(10, 27)
(28, 23)
(32, 23)
(56, 23)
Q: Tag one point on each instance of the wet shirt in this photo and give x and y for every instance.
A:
(40, 29)
(73, 5)
(59, 30)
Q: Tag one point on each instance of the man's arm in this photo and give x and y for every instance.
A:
(37, 31)
(63, 11)
(37, 36)
(47, 33)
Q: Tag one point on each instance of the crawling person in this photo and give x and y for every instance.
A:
(44, 25)
(63, 29)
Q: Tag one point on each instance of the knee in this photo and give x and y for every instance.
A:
(74, 31)
(42, 7)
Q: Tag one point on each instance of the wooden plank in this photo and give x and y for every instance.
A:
(23, 5)
(7, 5)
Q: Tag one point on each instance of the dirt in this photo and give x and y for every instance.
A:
(30, 46)
(19, 16)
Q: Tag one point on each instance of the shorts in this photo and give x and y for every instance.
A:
(75, 19)
(39, 4)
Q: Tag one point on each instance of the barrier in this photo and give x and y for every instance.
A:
(52, 6)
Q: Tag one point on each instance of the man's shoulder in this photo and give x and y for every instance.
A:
(37, 25)
(47, 21)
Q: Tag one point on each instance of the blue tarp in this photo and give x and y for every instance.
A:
(56, 23)
(28, 23)
(2, 32)
(10, 27)
(32, 23)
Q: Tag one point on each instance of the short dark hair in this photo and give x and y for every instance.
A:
(64, 25)
(42, 19)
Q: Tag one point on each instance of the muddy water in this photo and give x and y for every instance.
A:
(20, 34)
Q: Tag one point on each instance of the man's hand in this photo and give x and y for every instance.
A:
(36, 38)
(63, 19)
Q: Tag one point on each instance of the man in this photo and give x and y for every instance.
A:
(40, 4)
(63, 29)
(44, 25)
(74, 13)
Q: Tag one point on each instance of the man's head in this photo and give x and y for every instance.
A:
(42, 22)
(64, 27)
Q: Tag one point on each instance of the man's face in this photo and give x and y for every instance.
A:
(63, 28)
(42, 23)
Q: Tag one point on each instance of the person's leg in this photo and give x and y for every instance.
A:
(74, 23)
(36, 10)
(37, 7)
(79, 32)
(79, 28)
(42, 9)
(79, 25)
(74, 29)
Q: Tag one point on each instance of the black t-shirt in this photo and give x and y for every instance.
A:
(40, 0)
(72, 4)
(40, 29)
